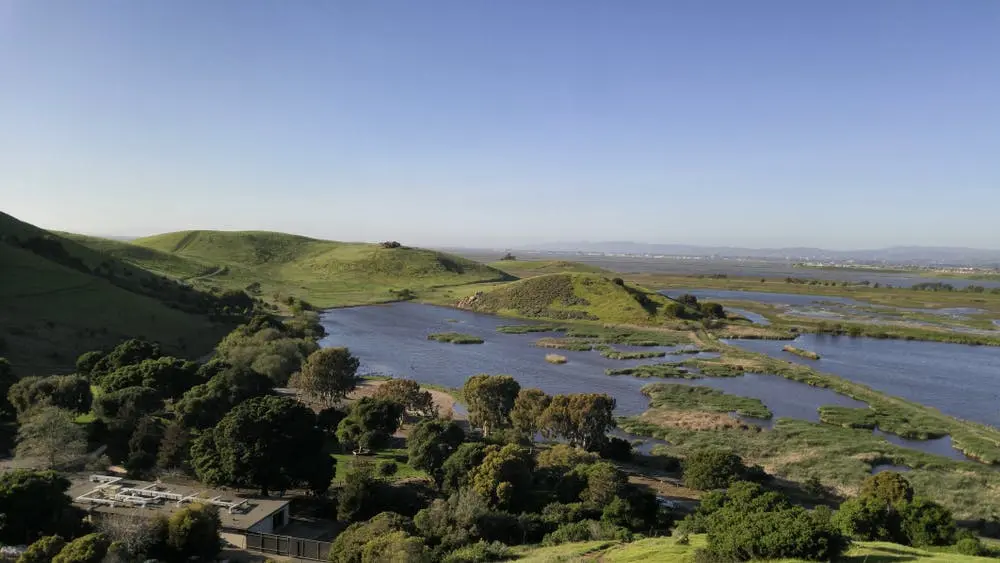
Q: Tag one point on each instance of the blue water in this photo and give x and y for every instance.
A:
(959, 380)
(392, 340)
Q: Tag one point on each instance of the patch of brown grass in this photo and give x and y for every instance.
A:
(691, 420)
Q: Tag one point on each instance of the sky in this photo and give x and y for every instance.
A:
(841, 124)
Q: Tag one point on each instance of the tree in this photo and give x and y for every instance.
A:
(604, 484)
(583, 419)
(204, 405)
(457, 469)
(526, 415)
(504, 475)
(132, 533)
(143, 444)
(369, 425)
(87, 549)
(127, 353)
(193, 531)
(889, 486)
(7, 380)
(43, 550)
(356, 497)
(329, 374)
(71, 392)
(712, 310)
(490, 398)
(39, 501)
(712, 469)
(924, 523)
(88, 361)
(407, 393)
(350, 544)
(431, 442)
(123, 408)
(867, 518)
(395, 546)
(271, 443)
(51, 435)
(170, 377)
(174, 447)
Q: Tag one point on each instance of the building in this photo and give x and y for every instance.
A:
(108, 494)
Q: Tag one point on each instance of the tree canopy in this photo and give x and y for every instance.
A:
(369, 424)
(489, 399)
(267, 442)
(39, 501)
(329, 374)
(52, 436)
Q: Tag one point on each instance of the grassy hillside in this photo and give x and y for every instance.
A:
(325, 273)
(527, 268)
(576, 296)
(150, 259)
(666, 550)
(59, 299)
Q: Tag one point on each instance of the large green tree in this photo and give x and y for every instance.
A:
(194, 532)
(431, 442)
(526, 416)
(504, 476)
(39, 505)
(91, 548)
(369, 425)
(127, 353)
(329, 374)
(271, 443)
(407, 393)
(490, 398)
(204, 405)
(170, 377)
(71, 392)
(582, 419)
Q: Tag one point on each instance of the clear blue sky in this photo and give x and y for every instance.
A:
(842, 124)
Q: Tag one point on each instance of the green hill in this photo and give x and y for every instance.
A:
(526, 268)
(578, 296)
(59, 298)
(325, 273)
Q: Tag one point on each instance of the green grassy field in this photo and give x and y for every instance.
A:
(667, 550)
(577, 296)
(278, 265)
(61, 303)
(403, 469)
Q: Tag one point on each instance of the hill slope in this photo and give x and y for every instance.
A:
(59, 299)
(577, 296)
(526, 268)
(326, 273)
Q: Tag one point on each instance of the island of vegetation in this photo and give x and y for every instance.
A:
(555, 359)
(808, 354)
(455, 338)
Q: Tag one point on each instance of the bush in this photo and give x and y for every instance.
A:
(587, 530)
(617, 449)
(968, 546)
(479, 552)
(924, 523)
(350, 544)
(867, 518)
(87, 549)
(712, 469)
(193, 531)
(387, 468)
(43, 550)
(788, 533)
(889, 486)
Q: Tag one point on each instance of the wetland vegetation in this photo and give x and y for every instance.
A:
(455, 338)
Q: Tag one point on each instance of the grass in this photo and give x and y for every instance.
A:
(623, 355)
(279, 265)
(555, 359)
(666, 370)
(455, 338)
(54, 307)
(668, 550)
(576, 297)
(528, 268)
(564, 344)
(675, 396)
(808, 354)
(527, 329)
(404, 470)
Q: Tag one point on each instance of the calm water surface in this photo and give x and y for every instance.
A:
(392, 340)
(959, 380)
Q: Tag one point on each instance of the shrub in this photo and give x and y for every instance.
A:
(193, 531)
(970, 546)
(350, 544)
(587, 530)
(387, 468)
(712, 469)
(889, 486)
(480, 552)
(43, 550)
(87, 549)
(867, 518)
(924, 523)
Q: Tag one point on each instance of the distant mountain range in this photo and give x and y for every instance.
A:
(923, 255)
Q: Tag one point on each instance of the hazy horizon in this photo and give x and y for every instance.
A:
(843, 126)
